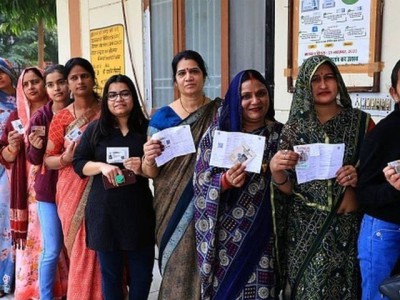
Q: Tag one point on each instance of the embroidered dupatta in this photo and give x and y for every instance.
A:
(313, 238)
(234, 229)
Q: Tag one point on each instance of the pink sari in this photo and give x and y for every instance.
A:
(27, 257)
(84, 276)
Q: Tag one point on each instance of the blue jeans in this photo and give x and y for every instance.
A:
(140, 266)
(378, 252)
(52, 242)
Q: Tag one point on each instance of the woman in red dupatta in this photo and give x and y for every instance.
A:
(84, 281)
(25, 228)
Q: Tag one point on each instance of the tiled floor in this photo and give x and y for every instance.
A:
(153, 291)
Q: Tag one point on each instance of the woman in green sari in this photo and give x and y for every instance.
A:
(318, 219)
(173, 182)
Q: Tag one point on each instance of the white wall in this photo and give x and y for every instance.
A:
(102, 13)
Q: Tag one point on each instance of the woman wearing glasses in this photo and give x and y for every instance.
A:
(45, 182)
(119, 215)
(65, 129)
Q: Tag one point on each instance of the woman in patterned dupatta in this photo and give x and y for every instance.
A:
(233, 216)
(7, 106)
(322, 224)
(25, 226)
(84, 281)
(173, 188)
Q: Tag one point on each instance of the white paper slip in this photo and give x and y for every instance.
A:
(74, 135)
(17, 125)
(229, 148)
(396, 165)
(117, 154)
(40, 130)
(318, 161)
(177, 141)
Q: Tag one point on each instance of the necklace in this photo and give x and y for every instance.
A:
(180, 100)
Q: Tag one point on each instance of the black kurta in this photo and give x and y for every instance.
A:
(120, 218)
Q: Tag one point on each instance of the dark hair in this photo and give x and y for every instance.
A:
(395, 74)
(55, 68)
(34, 70)
(136, 122)
(84, 63)
(188, 54)
(253, 74)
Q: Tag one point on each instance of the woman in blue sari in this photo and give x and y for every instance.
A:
(7, 105)
(233, 216)
(173, 188)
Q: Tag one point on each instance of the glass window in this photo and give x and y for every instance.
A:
(203, 34)
(161, 52)
(247, 36)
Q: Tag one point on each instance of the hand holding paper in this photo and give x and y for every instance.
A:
(176, 141)
(318, 161)
(230, 148)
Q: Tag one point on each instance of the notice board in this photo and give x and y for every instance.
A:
(348, 31)
(107, 52)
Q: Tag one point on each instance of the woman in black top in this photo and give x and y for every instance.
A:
(119, 214)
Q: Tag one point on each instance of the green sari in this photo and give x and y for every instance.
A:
(317, 246)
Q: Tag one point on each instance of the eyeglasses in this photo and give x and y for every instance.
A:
(124, 95)
(82, 76)
(58, 83)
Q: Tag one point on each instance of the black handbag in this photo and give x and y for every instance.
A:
(390, 287)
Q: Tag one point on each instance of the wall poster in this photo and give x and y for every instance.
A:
(348, 31)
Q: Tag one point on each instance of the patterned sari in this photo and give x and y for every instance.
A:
(7, 256)
(25, 226)
(173, 192)
(317, 245)
(234, 240)
(84, 281)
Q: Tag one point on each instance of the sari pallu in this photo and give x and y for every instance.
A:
(7, 260)
(25, 224)
(84, 280)
(318, 246)
(234, 239)
(173, 194)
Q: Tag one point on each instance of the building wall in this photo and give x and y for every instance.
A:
(100, 13)
(96, 14)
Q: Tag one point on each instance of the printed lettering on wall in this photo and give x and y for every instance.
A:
(107, 52)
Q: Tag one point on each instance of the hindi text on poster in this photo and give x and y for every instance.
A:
(107, 52)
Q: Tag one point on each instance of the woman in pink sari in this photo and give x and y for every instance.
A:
(25, 228)
(84, 281)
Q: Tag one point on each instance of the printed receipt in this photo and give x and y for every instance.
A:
(318, 161)
(177, 141)
(229, 148)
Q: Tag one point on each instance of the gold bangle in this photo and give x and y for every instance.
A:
(61, 161)
(9, 150)
(147, 162)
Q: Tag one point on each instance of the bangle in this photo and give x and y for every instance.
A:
(61, 161)
(147, 162)
(280, 183)
(9, 150)
(225, 183)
